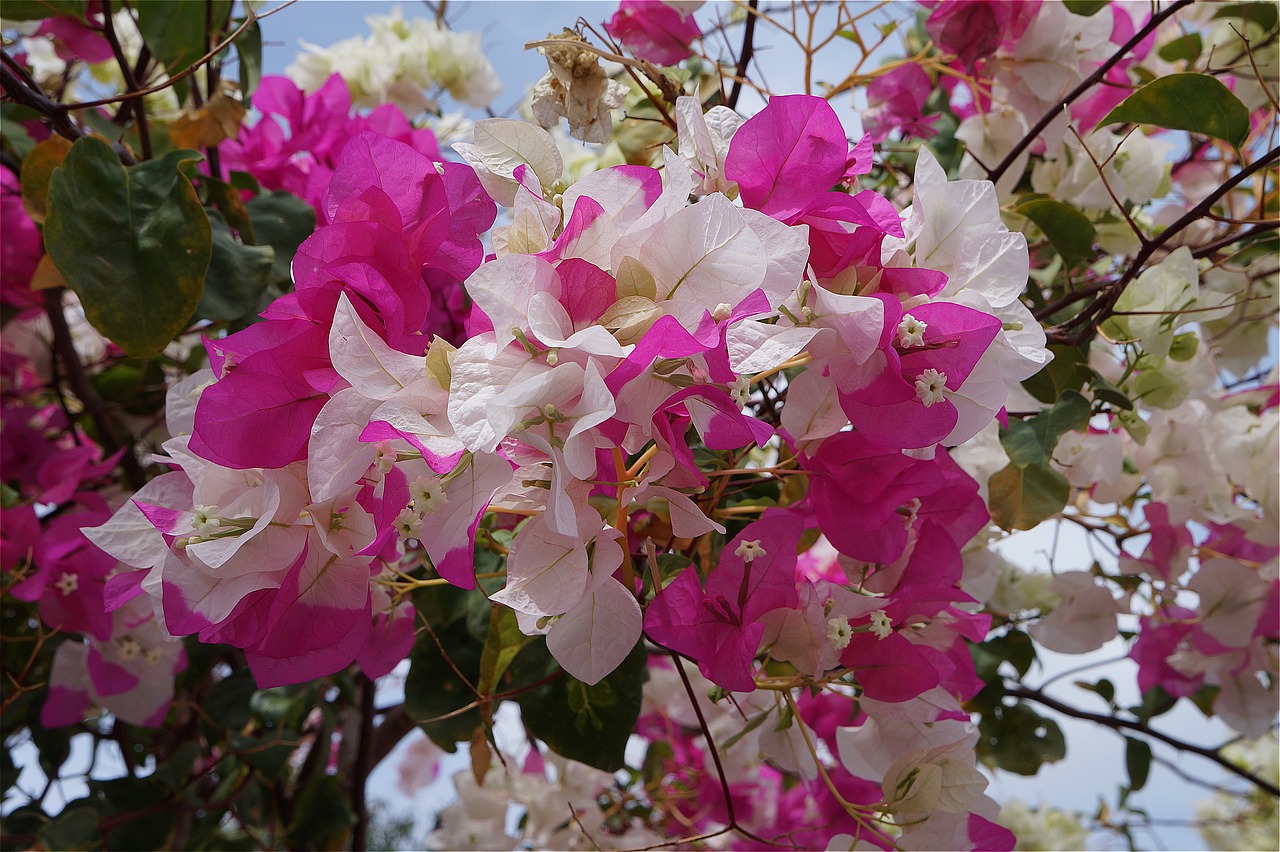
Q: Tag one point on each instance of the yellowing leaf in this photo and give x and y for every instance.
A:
(47, 276)
(36, 171)
(213, 123)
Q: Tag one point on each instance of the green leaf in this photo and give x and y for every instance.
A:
(228, 703)
(237, 277)
(1068, 370)
(1085, 8)
(28, 820)
(175, 32)
(1066, 227)
(1106, 392)
(230, 203)
(1184, 346)
(1137, 762)
(34, 10)
(8, 771)
(1204, 697)
(133, 243)
(268, 753)
(175, 772)
(1019, 740)
(37, 168)
(1103, 688)
(1185, 48)
(504, 641)
(1263, 14)
(1022, 497)
(1196, 103)
(282, 221)
(14, 136)
(1016, 647)
(249, 49)
(1021, 444)
(1069, 414)
(128, 797)
(589, 724)
(323, 815)
(1155, 702)
(74, 828)
(433, 690)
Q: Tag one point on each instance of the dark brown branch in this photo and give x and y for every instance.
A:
(1098, 311)
(363, 766)
(26, 92)
(137, 106)
(1230, 239)
(1070, 98)
(65, 351)
(744, 58)
(1141, 728)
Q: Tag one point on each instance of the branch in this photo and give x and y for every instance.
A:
(744, 58)
(363, 765)
(27, 93)
(1118, 724)
(1070, 98)
(84, 390)
(1230, 239)
(1090, 315)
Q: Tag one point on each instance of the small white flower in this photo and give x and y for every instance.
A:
(428, 494)
(839, 632)
(749, 550)
(929, 386)
(880, 624)
(67, 583)
(151, 655)
(385, 458)
(127, 648)
(206, 521)
(911, 332)
(740, 391)
(722, 312)
(408, 524)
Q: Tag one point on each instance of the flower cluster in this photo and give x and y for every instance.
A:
(405, 63)
(706, 452)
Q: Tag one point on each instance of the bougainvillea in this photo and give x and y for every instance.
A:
(701, 461)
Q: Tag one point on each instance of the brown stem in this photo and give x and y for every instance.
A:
(1142, 728)
(1097, 312)
(744, 59)
(131, 84)
(212, 75)
(1230, 239)
(65, 351)
(363, 766)
(20, 88)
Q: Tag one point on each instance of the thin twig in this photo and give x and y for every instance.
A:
(1115, 723)
(1070, 98)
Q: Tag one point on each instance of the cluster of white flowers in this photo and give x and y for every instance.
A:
(407, 63)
